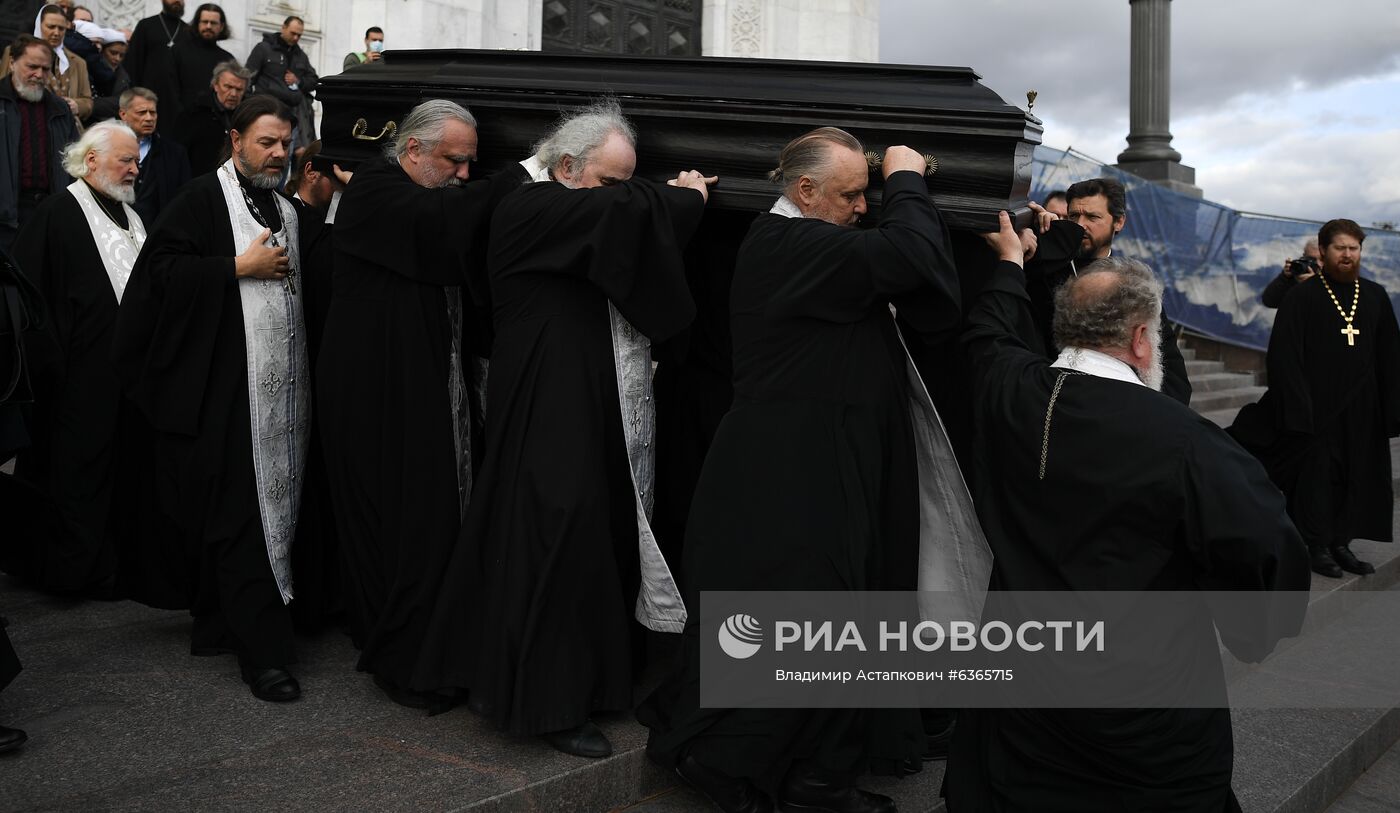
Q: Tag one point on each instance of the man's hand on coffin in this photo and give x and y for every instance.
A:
(690, 179)
(261, 261)
(342, 175)
(1006, 242)
(900, 158)
(1043, 219)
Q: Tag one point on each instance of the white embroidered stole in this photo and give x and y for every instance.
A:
(278, 380)
(116, 247)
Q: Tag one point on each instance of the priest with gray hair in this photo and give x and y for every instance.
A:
(66, 504)
(399, 362)
(1091, 478)
(557, 570)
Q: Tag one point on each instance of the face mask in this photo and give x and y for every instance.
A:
(376, 45)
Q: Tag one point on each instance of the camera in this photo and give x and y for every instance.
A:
(1302, 265)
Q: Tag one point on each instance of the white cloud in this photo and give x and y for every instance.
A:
(1283, 106)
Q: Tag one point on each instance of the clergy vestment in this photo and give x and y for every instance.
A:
(219, 366)
(1089, 480)
(557, 555)
(150, 60)
(393, 376)
(69, 500)
(1332, 401)
(829, 472)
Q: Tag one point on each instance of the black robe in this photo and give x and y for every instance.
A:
(535, 615)
(1139, 493)
(382, 384)
(164, 172)
(316, 558)
(67, 504)
(9, 661)
(192, 66)
(180, 352)
(150, 60)
(1322, 426)
(811, 482)
(202, 128)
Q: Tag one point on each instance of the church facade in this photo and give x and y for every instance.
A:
(839, 30)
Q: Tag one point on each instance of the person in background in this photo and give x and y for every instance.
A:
(373, 53)
(69, 77)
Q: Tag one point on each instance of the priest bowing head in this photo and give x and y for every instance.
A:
(595, 147)
(1113, 307)
(108, 158)
(436, 144)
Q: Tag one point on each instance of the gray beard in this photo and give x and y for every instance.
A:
(29, 93)
(1154, 374)
(256, 178)
(116, 191)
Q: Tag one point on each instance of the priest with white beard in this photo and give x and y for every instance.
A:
(211, 346)
(63, 506)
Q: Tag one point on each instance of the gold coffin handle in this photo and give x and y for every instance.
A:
(361, 128)
(874, 159)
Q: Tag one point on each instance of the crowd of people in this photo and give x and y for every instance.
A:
(420, 407)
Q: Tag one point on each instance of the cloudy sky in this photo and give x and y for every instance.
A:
(1286, 107)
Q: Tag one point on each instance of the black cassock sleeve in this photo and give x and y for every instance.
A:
(168, 323)
(41, 259)
(1237, 530)
(1288, 379)
(841, 273)
(993, 339)
(1388, 367)
(1277, 289)
(626, 239)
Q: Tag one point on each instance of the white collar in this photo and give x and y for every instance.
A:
(1094, 363)
(785, 207)
(536, 169)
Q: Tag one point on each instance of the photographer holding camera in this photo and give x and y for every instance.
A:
(1294, 272)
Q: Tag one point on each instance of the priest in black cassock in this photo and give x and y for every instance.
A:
(557, 558)
(150, 55)
(1333, 400)
(65, 506)
(829, 472)
(211, 346)
(1090, 478)
(396, 377)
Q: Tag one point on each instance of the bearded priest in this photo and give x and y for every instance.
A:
(61, 506)
(1333, 400)
(210, 344)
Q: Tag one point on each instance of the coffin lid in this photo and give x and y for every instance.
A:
(722, 116)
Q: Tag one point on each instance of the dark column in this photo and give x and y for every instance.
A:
(1150, 154)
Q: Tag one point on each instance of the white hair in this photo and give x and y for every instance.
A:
(426, 124)
(97, 138)
(577, 136)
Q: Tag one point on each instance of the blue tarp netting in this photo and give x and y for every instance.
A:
(1213, 260)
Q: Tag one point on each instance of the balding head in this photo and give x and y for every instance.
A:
(1114, 306)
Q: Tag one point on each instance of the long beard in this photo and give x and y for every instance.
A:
(28, 92)
(256, 176)
(1156, 371)
(123, 193)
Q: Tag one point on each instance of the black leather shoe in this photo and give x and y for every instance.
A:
(404, 697)
(1323, 564)
(586, 740)
(11, 738)
(808, 791)
(274, 685)
(1347, 561)
(730, 794)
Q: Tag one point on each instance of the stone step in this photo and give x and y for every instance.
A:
(1188, 353)
(1375, 791)
(1215, 382)
(1222, 417)
(1197, 367)
(1225, 399)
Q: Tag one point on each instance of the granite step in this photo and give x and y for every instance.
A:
(1222, 417)
(1215, 382)
(1198, 367)
(1212, 401)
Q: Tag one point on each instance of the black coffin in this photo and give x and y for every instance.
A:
(728, 117)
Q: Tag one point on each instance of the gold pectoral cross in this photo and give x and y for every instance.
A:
(1351, 334)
